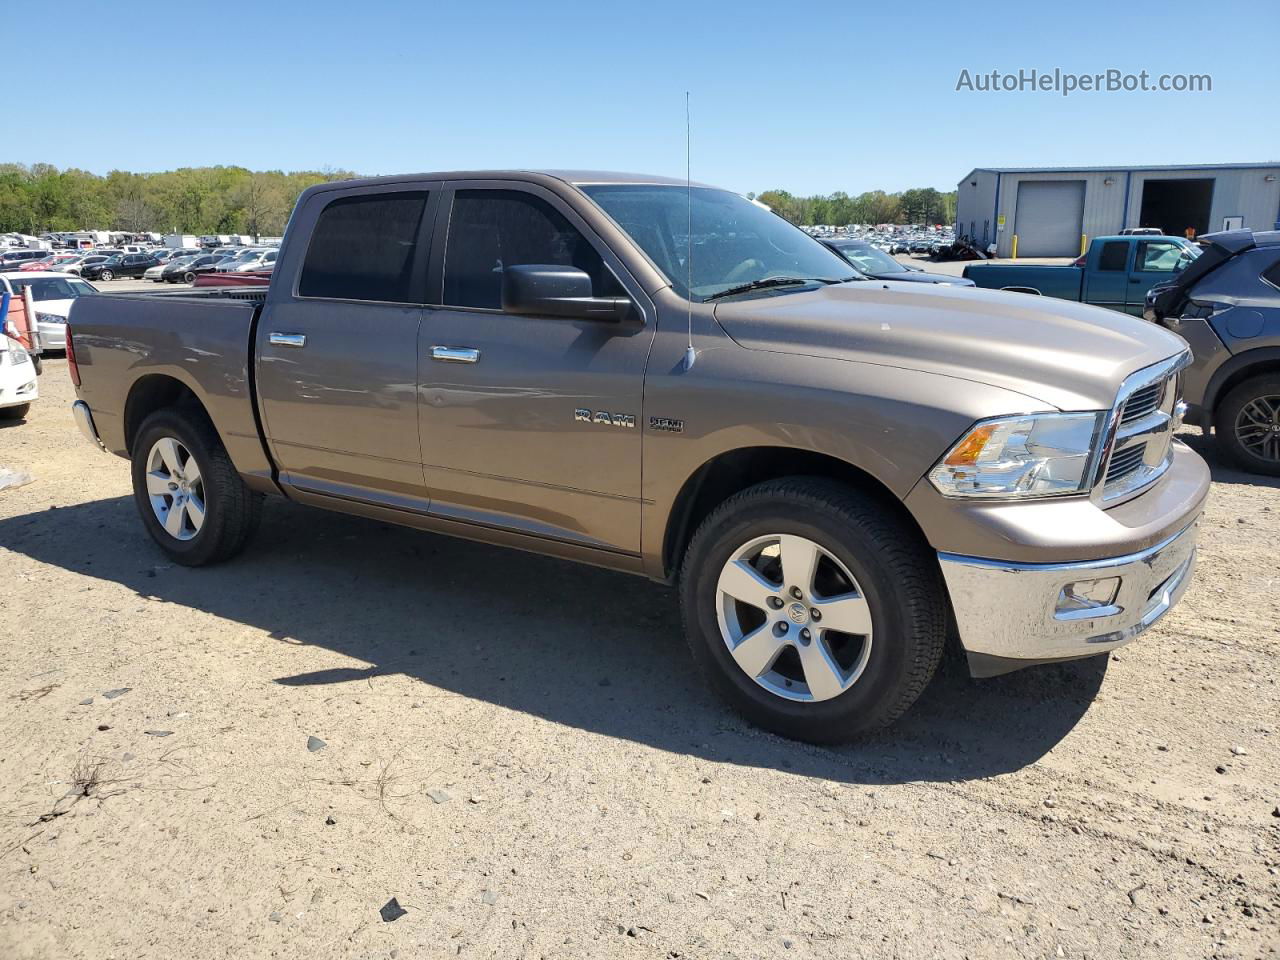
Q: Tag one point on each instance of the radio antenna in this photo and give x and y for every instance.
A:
(690, 354)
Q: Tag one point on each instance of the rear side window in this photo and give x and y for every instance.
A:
(1114, 255)
(363, 247)
(493, 229)
(1272, 274)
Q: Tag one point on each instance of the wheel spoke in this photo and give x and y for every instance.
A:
(848, 613)
(158, 484)
(743, 582)
(799, 562)
(191, 471)
(171, 455)
(173, 520)
(821, 672)
(195, 511)
(757, 651)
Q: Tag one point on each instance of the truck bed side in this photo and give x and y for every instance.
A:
(1063, 282)
(129, 348)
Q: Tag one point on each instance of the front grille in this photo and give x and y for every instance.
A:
(1142, 402)
(1142, 428)
(1125, 462)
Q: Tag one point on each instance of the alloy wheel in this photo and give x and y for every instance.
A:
(175, 488)
(793, 618)
(1258, 427)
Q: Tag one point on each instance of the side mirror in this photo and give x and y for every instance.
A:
(550, 290)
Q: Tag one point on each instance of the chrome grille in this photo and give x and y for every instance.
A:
(1142, 402)
(1125, 462)
(1139, 441)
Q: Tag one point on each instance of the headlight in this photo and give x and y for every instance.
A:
(17, 352)
(50, 318)
(1038, 455)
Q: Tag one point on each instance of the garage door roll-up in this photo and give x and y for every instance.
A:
(1049, 218)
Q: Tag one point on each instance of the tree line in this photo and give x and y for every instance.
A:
(917, 205)
(41, 198)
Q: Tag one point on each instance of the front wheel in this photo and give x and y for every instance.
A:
(1247, 425)
(813, 610)
(189, 277)
(106, 275)
(192, 501)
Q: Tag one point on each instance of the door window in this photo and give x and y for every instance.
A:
(362, 248)
(1115, 255)
(490, 230)
(1159, 256)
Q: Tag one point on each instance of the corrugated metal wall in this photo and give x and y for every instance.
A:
(1110, 207)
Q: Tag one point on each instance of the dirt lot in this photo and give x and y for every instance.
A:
(517, 750)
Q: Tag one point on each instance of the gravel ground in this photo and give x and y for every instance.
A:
(518, 752)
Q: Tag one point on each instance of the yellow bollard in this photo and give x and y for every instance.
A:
(1084, 244)
(1013, 254)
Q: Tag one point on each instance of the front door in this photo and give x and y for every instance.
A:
(529, 423)
(1156, 261)
(337, 360)
(1107, 279)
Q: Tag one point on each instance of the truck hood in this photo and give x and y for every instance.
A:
(1066, 355)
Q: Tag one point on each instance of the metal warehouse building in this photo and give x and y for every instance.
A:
(1054, 210)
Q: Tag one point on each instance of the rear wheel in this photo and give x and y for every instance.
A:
(1247, 425)
(192, 501)
(814, 611)
(106, 275)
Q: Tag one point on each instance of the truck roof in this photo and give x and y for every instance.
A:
(575, 177)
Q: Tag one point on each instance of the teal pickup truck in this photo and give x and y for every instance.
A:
(1116, 272)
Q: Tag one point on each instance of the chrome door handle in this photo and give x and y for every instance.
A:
(455, 354)
(288, 339)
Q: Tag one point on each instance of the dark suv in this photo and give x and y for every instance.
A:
(1226, 304)
(125, 265)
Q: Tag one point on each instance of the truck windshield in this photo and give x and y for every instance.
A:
(734, 241)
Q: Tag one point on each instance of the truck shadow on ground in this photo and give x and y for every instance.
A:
(578, 646)
(1222, 472)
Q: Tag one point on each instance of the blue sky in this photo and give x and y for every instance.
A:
(805, 97)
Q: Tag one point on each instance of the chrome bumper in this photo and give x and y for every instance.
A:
(84, 420)
(1015, 614)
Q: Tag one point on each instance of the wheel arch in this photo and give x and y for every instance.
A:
(1238, 369)
(732, 471)
(157, 391)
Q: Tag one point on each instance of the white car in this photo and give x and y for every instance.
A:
(18, 386)
(265, 260)
(54, 293)
(153, 273)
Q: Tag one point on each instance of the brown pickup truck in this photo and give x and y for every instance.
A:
(668, 380)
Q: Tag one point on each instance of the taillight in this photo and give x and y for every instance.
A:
(71, 359)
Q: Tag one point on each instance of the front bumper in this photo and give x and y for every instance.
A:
(1012, 615)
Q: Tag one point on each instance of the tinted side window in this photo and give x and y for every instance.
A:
(1114, 255)
(1272, 274)
(362, 248)
(493, 229)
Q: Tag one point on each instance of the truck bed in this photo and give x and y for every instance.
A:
(199, 340)
(1065, 282)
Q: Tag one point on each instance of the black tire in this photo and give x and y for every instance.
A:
(1264, 388)
(189, 277)
(15, 413)
(232, 510)
(897, 573)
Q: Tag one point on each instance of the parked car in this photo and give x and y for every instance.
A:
(261, 260)
(53, 262)
(123, 265)
(874, 262)
(19, 385)
(834, 473)
(241, 256)
(54, 294)
(1116, 272)
(1226, 305)
(186, 269)
(1142, 232)
(156, 273)
(13, 259)
(77, 266)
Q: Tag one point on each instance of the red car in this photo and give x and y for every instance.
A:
(50, 263)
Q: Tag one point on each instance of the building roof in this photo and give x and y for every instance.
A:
(1122, 168)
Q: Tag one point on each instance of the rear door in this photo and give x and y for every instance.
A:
(1106, 274)
(530, 423)
(337, 354)
(1155, 261)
